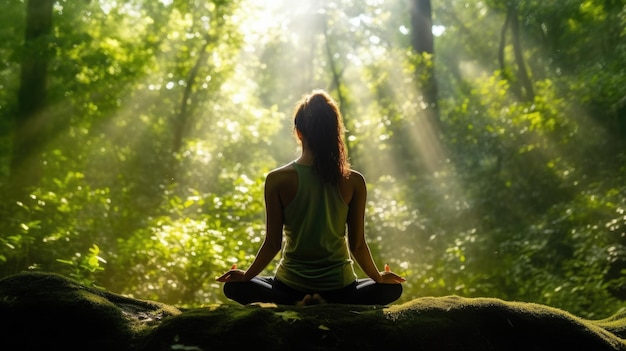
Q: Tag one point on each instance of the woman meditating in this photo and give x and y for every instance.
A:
(312, 203)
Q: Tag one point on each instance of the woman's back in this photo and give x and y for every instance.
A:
(315, 254)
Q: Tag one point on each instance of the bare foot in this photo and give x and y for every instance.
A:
(306, 300)
(316, 299)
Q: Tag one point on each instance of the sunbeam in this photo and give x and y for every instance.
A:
(494, 162)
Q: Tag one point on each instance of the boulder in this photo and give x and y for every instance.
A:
(47, 311)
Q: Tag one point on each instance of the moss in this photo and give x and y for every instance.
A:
(42, 309)
(47, 311)
(442, 323)
(615, 324)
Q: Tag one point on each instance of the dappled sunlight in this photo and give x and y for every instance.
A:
(155, 123)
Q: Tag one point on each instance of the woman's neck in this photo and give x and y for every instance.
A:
(306, 158)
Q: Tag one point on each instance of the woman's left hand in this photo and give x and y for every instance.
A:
(389, 277)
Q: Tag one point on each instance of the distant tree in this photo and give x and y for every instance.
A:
(422, 24)
(524, 89)
(423, 117)
(32, 122)
(422, 41)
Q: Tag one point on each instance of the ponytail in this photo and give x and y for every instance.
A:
(319, 121)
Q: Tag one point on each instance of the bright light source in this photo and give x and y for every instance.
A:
(438, 30)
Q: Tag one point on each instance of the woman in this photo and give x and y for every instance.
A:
(312, 200)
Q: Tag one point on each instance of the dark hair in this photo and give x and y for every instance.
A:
(319, 121)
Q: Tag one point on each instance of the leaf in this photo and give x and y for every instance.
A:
(289, 316)
(93, 261)
(71, 263)
(94, 249)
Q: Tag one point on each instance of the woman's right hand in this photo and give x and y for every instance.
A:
(233, 275)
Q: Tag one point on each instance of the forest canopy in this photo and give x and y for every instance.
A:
(135, 137)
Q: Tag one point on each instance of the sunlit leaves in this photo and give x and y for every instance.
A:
(184, 252)
(527, 201)
(84, 267)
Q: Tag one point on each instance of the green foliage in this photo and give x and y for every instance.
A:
(84, 267)
(177, 257)
(167, 115)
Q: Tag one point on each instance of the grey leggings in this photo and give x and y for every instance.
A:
(269, 289)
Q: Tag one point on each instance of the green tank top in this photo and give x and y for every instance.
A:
(315, 255)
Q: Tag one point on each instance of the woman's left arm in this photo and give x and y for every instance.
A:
(356, 234)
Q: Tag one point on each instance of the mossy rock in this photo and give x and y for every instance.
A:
(45, 311)
(48, 311)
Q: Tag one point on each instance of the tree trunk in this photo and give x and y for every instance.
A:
(422, 24)
(502, 47)
(181, 120)
(422, 41)
(422, 129)
(523, 88)
(32, 122)
(522, 72)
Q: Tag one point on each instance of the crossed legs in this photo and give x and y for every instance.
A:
(268, 289)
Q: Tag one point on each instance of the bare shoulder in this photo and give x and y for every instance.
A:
(282, 183)
(356, 178)
(353, 185)
(281, 175)
(282, 171)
